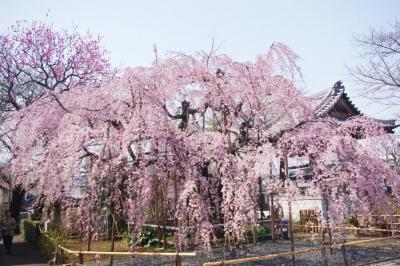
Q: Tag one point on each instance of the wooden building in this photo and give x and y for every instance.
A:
(332, 102)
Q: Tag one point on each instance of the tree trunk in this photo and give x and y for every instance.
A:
(18, 194)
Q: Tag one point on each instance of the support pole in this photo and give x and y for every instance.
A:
(89, 239)
(164, 230)
(272, 217)
(271, 208)
(112, 240)
(343, 248)
(290, 224)
(291, 233)
(178, 260)
(261, 198)
(323, 251)
(62, 256)
(80, 258)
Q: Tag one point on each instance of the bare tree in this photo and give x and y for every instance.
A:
(379, 71)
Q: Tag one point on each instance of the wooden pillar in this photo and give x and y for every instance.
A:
(204, 121)
(255, 211)
(178, 260)
(112, 240)
(89, 239)
(272, 217)
(271, 208)
(80, 258)
(164, 230)
(290, 224)
(391, 224)
(62, 256)
(343, 248)
(175, 199)
(323, 251)
(261, 198)
(326, 217)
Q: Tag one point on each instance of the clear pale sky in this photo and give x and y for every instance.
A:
(320, 32)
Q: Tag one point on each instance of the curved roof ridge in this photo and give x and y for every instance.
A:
(352, 104)
(330, 99)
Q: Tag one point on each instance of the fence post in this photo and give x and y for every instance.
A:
(290, 225)
(178, 260)
(272, 217)
(323, 251)
(343, 248)
(80, 258)
(290, 222)
(62, 256)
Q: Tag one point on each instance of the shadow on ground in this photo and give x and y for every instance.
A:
(22, 254)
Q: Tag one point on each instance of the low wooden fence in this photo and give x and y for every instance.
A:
(81, 253)
(302, 251)
(178, 255)
(319, 228)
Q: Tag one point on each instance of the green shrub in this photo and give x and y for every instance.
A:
(147, 238)
(46, 247)
(262, 230)
(58, 236)
(127, 237)
(30, 231)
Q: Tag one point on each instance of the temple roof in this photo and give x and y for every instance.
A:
(336, 103)
(327, 100)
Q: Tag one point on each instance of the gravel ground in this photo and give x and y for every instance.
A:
(387, 253)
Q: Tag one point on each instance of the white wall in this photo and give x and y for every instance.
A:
(304, 203)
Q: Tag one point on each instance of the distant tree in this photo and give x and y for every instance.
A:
(36, 60)
(379, 72)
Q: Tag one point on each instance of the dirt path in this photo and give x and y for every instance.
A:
(22, 254)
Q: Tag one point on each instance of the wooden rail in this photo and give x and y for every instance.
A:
(80, 253)
(287, 254)
(356, 228)
(265, 257)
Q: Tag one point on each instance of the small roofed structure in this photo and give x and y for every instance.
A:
(336, 103)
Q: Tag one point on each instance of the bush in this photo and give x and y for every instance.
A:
(46, 247)
(262, 230)
(30, 231)
(127, 237)
(147, 238)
